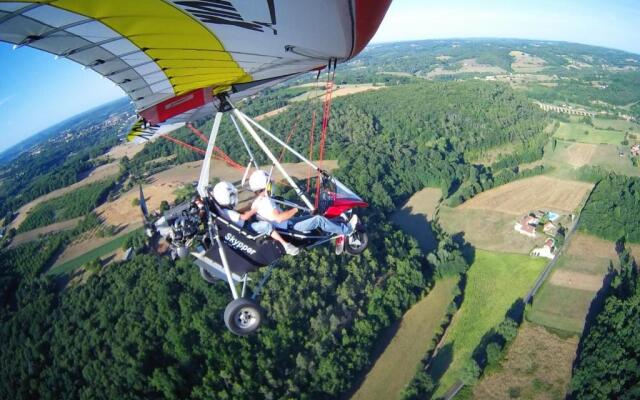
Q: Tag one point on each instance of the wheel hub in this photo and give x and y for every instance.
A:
(246, 318)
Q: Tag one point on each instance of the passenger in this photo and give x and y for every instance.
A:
(268, 210)
(226, 195)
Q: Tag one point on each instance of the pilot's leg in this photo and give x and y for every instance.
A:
(318, 221)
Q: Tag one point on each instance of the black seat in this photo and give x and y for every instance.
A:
(245, 251)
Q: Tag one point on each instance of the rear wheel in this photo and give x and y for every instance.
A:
(243, 316)
(356, 243)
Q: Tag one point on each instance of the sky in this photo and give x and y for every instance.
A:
(37, 91)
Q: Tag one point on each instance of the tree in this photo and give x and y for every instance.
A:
(470, 372)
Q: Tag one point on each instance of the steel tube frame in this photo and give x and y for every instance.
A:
(203, 182)
(280, 142)
(244, 120)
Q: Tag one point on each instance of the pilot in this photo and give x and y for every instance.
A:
(268, 210)
(226, 195)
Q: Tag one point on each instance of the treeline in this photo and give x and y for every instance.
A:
(74, 204)
(607, 363)
(613, 209)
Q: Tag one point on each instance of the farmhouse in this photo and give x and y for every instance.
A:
(635, 150)
(546, 250)
(527, 226)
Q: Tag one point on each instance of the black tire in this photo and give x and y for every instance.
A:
(207, 276)
(356, 243)
(243, 316)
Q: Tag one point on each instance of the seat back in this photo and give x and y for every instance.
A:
(243, 253)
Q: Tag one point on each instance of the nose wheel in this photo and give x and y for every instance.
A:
(243, 316)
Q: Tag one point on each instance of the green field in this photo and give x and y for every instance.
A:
(617, 124)
(567, 156)
(386, 380)
(561, 308)
(587, 134)
(494, 282)
(101, 251)
(564, 305)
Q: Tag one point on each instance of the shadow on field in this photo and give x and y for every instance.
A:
(418, 226)
(468, 251)
(441, 362)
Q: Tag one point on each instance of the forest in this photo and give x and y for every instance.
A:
(607, 362)
(613, 209)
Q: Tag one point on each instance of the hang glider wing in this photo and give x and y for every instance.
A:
(171, 57)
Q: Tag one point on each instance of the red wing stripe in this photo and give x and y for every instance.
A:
(369, 15)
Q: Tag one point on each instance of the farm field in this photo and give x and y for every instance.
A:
(527, 63)
(570, 155)
(386, 379)
(494, 282)
(416, 214)
(528, 194)
(88, 242)
(34, 234)
(587, 134)
(537, 366)
(100, 251)
(126, 149)
(617, 124)
(340, 90)
(565, 298)
(97, 174)
(486, 229)
(470, 65)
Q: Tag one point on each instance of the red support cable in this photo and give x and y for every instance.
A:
(198, 133)
(223, 156)
(183, 144)
(326, 111)
(291, 133)
(313, 127)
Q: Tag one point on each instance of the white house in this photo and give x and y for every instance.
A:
(546, 250)
(527, 226)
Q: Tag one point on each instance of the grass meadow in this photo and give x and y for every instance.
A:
(101, 251)
(576, 132)
(494, 282)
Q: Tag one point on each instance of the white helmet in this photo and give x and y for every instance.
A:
(259, 180)
(225, 194)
